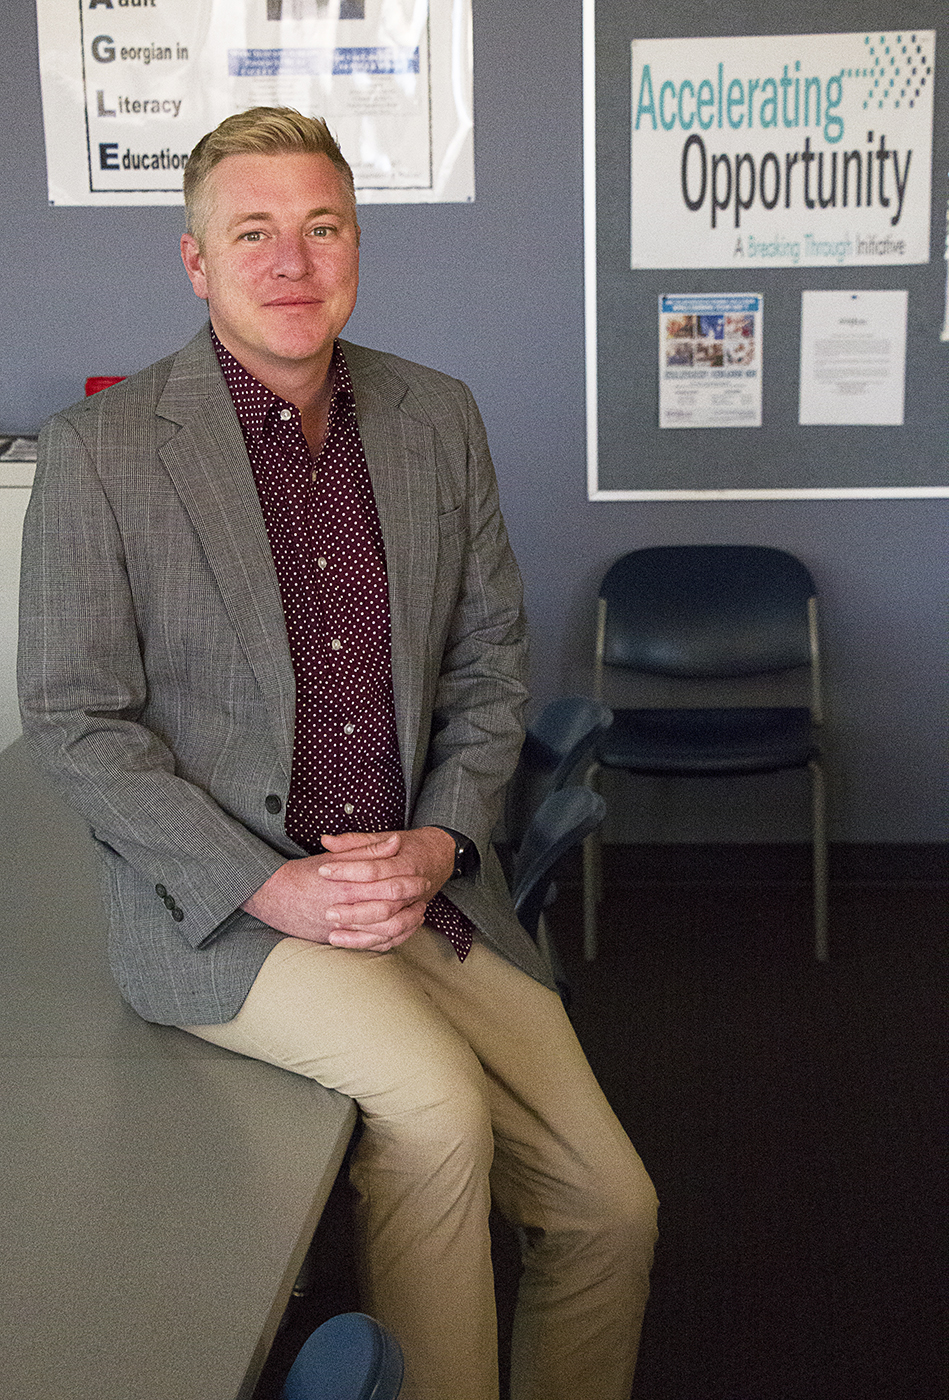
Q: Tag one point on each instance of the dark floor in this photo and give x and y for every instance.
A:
(793, 1117)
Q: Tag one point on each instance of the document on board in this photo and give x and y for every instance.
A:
(853, 357)
(710, 360)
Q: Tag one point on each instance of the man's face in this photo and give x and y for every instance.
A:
(279, 261)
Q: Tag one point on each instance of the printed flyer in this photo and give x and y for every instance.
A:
(710, 361)
(808, 150)
(129, 87)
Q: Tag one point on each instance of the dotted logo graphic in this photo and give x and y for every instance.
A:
(898, 69)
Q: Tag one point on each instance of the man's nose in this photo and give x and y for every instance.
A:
(290, 258)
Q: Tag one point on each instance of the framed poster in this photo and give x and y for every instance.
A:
(130, 86)
(801, 150)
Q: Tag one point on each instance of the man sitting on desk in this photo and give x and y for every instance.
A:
(272, 646)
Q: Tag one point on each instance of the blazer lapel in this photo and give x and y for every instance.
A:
(207, 460)
(400, 452)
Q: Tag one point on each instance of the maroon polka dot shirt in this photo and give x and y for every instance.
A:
(329, 555)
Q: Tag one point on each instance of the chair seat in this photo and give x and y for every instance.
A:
(709, 741)
(350, 1357)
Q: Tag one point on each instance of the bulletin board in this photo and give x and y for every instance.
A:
(777, 167)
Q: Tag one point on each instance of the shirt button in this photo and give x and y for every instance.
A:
(336, 644)
(285, 414)
(349, 729)
(348, 808)
(321, 562)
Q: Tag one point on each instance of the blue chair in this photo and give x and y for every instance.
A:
(715, 630)
(564, 819)
(557, 748)
(351, 1357)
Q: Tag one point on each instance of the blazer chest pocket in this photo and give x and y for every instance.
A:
(453, 529)
(449, 571)
(452, 544)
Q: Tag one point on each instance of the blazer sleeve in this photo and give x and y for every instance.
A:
(83, 693)
(477, 726)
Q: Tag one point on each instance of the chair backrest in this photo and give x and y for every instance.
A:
(557, 745)
(564, 819)
(351, 1357)
(707, 611)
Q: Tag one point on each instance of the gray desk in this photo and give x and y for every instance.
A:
(158, 1194)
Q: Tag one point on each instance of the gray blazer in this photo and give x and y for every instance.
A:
(155, 677)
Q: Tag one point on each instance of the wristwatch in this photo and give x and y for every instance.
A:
(466, 854)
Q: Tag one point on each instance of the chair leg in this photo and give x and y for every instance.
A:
(592, 880)
(541, 937)
(554, 962)
(592, 876)
(819, 803)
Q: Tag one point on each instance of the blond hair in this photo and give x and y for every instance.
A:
(260, 131)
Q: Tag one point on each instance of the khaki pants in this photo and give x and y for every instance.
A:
(471, 1084)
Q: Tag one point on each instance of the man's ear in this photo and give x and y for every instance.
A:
(194, 265)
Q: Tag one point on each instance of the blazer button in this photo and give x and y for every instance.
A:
(160, 891)
(272, 803)
(168, 902)
(177, 914)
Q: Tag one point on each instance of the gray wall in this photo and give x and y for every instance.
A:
(493, 292)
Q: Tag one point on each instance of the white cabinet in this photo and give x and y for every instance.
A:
(16, 481)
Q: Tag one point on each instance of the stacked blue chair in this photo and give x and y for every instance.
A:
(557, 750)
(544, 816)
(564, 820)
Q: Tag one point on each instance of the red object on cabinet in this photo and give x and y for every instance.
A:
(102, 381)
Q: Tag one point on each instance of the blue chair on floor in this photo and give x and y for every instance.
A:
(716, 639)
(351, 1357)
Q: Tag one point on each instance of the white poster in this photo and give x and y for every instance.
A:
(129, 87)
(853, 357)
(710, 361)
(808, 150)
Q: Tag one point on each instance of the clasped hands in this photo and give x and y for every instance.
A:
(369, 890)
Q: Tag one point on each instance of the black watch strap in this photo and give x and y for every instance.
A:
(466, 853)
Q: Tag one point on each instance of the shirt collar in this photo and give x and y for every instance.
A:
(256, 405)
